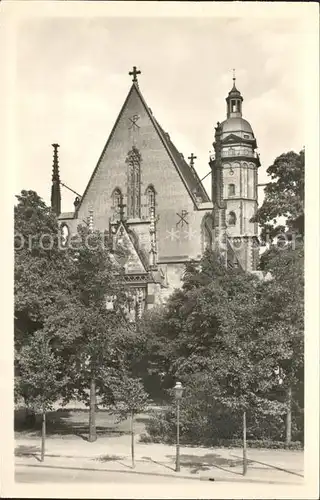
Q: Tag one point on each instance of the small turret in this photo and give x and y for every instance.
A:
(55, 188)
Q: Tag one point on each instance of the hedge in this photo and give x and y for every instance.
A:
(236, 443)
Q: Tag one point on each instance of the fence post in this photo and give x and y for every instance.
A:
(244, 443)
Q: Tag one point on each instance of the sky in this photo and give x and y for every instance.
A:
(72, 79)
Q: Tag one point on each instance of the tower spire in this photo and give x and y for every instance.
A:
(234, 100)
(55, 188)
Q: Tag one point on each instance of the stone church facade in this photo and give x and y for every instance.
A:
(148, 197)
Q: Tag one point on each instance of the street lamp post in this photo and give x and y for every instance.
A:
(178, 390)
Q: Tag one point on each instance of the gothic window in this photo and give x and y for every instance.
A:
(116, 201)
(231, 190)
(134, 185)
(232, 219)
(207, 232)
(151, 199)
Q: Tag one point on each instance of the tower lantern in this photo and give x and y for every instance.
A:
(234, 101)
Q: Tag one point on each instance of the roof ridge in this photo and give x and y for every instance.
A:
(105, 146)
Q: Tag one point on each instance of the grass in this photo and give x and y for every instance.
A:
(65, 423)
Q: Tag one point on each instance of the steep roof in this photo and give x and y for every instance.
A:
(187, 173)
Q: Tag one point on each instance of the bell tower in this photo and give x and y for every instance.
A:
(235, 182)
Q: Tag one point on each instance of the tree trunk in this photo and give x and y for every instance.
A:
(92, 411)
(43, 435)
(289, 416)
(30, 418)
(244, 443)
(132, 440)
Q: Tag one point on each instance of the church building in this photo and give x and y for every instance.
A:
(151, 199)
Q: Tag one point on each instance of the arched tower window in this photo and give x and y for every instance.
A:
(134, 185)
(231, 190)
(232, 219)
(235, 106)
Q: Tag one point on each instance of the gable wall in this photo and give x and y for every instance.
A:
(156, 169)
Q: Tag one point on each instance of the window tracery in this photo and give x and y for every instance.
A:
(151, 200)
(116, 201)
(134, 183)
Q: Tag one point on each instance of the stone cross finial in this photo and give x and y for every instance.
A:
(134, 73)
(192, 158)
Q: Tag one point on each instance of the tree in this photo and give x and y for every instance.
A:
(283, 297)
(284, 195)
(282, 314)
(40, 271)
(211, 329)
(41, 377)
(62, 290)
(130, 399)
(94, 337)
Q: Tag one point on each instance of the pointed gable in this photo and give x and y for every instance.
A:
(136, 125)
(132, 261)
(179, 195)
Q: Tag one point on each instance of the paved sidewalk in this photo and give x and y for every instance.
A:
(112, 454)
(162, 469)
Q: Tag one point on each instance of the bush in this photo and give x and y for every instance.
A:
(217, 427)
(161, 427)
(206, 420)
(231, 443)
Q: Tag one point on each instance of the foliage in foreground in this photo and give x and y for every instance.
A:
(235, 343)
(226, 443)
(60, 293)
(284, 195)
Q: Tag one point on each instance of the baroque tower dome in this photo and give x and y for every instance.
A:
(235, 124)
(235, 181)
